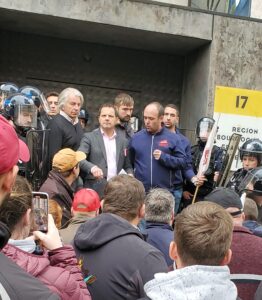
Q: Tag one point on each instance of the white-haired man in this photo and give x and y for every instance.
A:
(65, 128)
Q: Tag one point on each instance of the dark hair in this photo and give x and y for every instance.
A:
(171, 105)
(123, 196)
(52, 93)
(106, 105)
(67, 173)
(16, 203)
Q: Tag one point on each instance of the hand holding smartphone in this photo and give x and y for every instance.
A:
(50, 240)
(40, 211)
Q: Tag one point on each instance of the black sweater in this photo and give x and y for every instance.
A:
(63, 134)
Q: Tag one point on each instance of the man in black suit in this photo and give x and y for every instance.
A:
(106, 151)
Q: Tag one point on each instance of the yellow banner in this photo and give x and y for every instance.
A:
(238, 101)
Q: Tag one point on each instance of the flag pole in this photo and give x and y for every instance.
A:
(195, 194)
(205, 159)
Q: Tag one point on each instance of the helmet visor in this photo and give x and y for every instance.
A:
(25, 115)
(6, 90)
(41, 102)
(252, 182)
(204, 129)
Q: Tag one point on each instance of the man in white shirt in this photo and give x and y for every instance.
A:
(106, 151)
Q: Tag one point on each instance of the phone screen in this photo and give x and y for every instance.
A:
(40, 211)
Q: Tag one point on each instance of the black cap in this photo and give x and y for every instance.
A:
(225, 197)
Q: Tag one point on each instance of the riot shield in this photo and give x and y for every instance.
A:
(228, 159)
(38, 167)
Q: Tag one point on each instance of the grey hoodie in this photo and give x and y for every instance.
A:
(193, 283)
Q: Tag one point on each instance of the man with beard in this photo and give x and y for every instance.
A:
(124, 105)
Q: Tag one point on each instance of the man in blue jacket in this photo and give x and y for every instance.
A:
(156, 153)
(159, 216)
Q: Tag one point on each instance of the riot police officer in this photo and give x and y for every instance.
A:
(83, 118)
(251, 157)
(40, 102)
(251, 184)
(203, 129)
(22, 113)
(6, 89)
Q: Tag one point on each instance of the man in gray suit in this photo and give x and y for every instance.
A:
(106, 151)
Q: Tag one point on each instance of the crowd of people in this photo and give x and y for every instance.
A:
(121, 222)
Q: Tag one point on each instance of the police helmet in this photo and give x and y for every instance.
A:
(36, 95)
(252, 147)
(83, 114)
(204, 126)
(21, 109)
(7, 88)
(252, 182)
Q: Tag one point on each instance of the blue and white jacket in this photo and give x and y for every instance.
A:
(165, 172)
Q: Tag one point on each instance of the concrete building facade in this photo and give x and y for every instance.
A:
(151, 50)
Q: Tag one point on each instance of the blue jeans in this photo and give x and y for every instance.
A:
(177, 193)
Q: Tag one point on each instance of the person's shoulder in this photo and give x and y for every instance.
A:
(119, 127)
(57, 121)
(18, 284)
(51, 122)
(48, 182)
(50, 187)
(218, 149)
(243, 238)
(96, 131)
(93, 133)
(246, 235)
(139, 134)
(258, 230)
(33, 264)
(147, 249)
(165, 132)
(58, 118)
(195, 147)
(184, 138)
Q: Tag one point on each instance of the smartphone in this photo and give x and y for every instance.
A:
(40, 211)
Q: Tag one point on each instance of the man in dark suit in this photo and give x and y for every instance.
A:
(106, 151)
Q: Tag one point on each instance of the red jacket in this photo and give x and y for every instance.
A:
(246, 259)
(57, 269)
